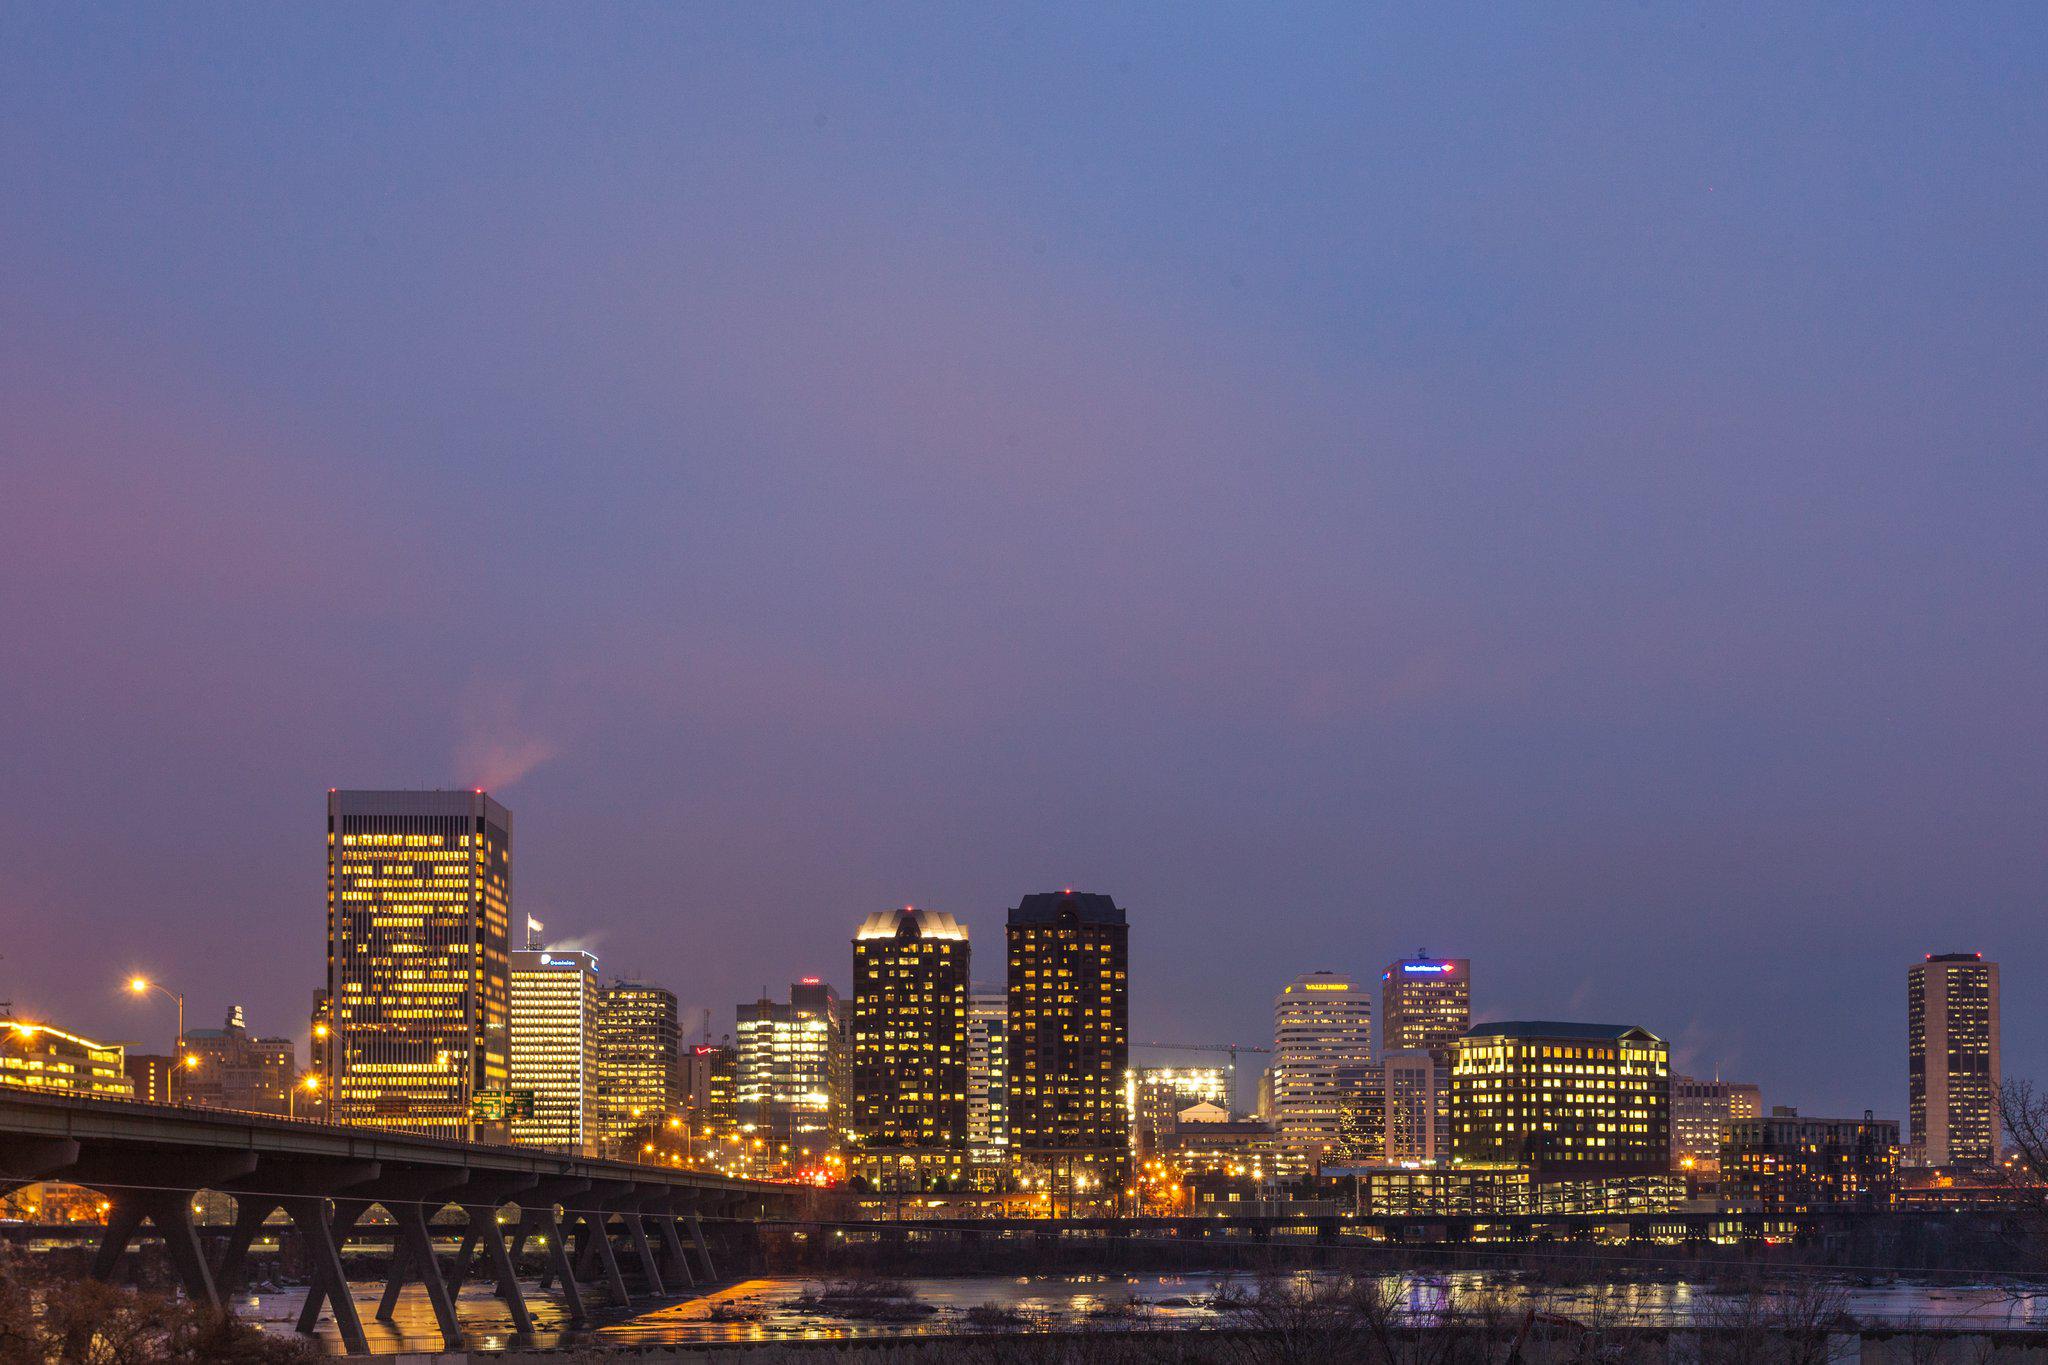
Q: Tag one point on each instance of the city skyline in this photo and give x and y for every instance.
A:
(725, 1019)
(1560, 488)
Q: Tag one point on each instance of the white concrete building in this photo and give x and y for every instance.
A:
(1322, 1026)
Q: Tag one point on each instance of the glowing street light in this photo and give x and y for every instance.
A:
(142, 985)
(311, 1085)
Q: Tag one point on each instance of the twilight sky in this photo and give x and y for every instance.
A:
(1561, 485)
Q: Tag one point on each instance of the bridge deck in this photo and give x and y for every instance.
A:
(148, 1161)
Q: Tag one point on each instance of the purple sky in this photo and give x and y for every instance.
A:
(1561, 485)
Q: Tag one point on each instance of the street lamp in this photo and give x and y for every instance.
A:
(311, 1085)
(142, 985)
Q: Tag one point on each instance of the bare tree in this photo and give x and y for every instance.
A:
(1781, 1322)
(2023, 1113)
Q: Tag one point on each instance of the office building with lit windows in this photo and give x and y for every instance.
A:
(419, 894)
(639, 1067)
(1566, 1100)
(708, 1071)
(1952, 1060)
(1702, 1112)
(1069, 1044)
(1425, 1002)
(790, 1077)
(555, 1085)
(1322, 1033)
(42, 1057)
(1782, 1163)
(988, 1077)
(150, 1075)
(226, 1068)
(909, 1049)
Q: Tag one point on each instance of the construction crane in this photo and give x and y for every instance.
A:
(1229, 1049)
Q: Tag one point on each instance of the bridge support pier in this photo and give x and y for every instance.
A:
(649, 1271)
(703, 1249)
(596, 1253)
(158, 1190)
(678, 1259)
(414, 1256)
(540, 1222)
(170, 1211)
(323, 1235)
(485, 1230)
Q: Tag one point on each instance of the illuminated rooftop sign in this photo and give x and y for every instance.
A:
(1426, 968)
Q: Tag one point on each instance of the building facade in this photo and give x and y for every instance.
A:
(1425, 1002)
(789, 1076)
(1322, 1029)
(419, 895)
(1204, 1140)
(1418, 1105)
(1567, 1100)
(225, 1068)
(988, 1078)
(150, 1076)
(1069, 1035)
(639, 1034)
(1361, 1116)
(910, 1049)
(554, 1060)
(1156, 1093)
(49, 1059)
(1952, 1059)
(708, 1071)
(1783, 1163)
(1701, 1114)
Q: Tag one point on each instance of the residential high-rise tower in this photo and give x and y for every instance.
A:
(910, 1048)
(1069, 967)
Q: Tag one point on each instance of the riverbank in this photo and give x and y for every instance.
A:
(1280, 1346)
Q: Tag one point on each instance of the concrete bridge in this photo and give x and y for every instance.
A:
(595, 1222)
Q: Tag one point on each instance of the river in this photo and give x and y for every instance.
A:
(772, 1308)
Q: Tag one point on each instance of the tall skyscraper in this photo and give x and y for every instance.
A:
(909, 1043)
(1425, 1002)
(554, 1066)
(790, 1075)
(639, 1073)
(1069, 968)
(419, 895)
(1952, 1067)
(1567, 1100)
(1322, 1039)
(988, 1077)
